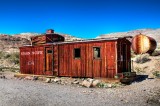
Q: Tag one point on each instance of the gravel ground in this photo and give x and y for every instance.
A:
(14, 92)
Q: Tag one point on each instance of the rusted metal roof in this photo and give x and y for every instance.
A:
(84, 41)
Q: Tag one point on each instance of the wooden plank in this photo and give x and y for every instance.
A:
(104, 61)
(32, 75)
(110, 60)
(41, 61)
(61, 60)
(97, 68)
(83, 62)
(65, 56)
(70, 57)
(90, 63)
(55, 61)
(86, 60)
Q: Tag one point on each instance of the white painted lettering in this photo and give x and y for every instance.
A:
(32, 53)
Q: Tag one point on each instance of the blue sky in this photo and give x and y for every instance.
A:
(81, 18)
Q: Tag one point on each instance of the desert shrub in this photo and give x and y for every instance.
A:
(156, 53)
(6, 56)
(139, 70)
(156, 74)
(2, 69)
(142, 58)
(14, 57)
(2, 54)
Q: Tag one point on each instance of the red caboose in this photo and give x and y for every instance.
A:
(88, 58)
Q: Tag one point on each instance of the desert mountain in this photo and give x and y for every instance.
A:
(11, 43)
(154, 33)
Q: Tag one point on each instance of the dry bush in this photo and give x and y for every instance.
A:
(14, 58)
(2, 55)
(11, 57)
(156, 73)
(139, 70)
(142, 58)
(156, 53)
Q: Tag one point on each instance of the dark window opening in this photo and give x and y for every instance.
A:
(77, 53)
(96, 51)
(49, 51)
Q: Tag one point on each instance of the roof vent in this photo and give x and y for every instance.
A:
(49, 31)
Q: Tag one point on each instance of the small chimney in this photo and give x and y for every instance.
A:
(49, 31)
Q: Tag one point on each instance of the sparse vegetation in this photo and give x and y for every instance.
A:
(2, 54)
(139, 70)
(9, 61)
(142, 58)
(156, 53)
(156, 74)
(13, 57)
(12, 69)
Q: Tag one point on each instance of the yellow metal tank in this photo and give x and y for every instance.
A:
(143, 44)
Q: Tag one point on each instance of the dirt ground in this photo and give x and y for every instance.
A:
(16, 92)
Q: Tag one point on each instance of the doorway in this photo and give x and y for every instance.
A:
(124, 57)
(49, 61)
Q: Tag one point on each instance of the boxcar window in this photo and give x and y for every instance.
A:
(49, 51)
(96, 51)
(77, 53)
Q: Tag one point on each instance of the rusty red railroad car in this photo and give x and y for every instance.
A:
(103, 58)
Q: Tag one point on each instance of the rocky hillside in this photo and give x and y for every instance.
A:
(25, 35)
(155, 33)
(10, 43)
(70, 37)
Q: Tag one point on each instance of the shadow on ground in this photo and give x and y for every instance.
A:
(140, 78)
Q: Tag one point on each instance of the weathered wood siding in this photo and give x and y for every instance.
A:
(58, 59)
(31, 60)
(86, 65)
(36, 60)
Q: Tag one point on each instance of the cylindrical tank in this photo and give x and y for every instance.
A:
(143, 44)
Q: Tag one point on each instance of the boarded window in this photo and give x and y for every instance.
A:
(96, 51)
(77, 53)
(49, 51)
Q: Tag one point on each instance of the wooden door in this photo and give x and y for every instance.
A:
(49, 61)
(97, 62)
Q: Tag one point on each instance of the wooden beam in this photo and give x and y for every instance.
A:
(25, 75)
